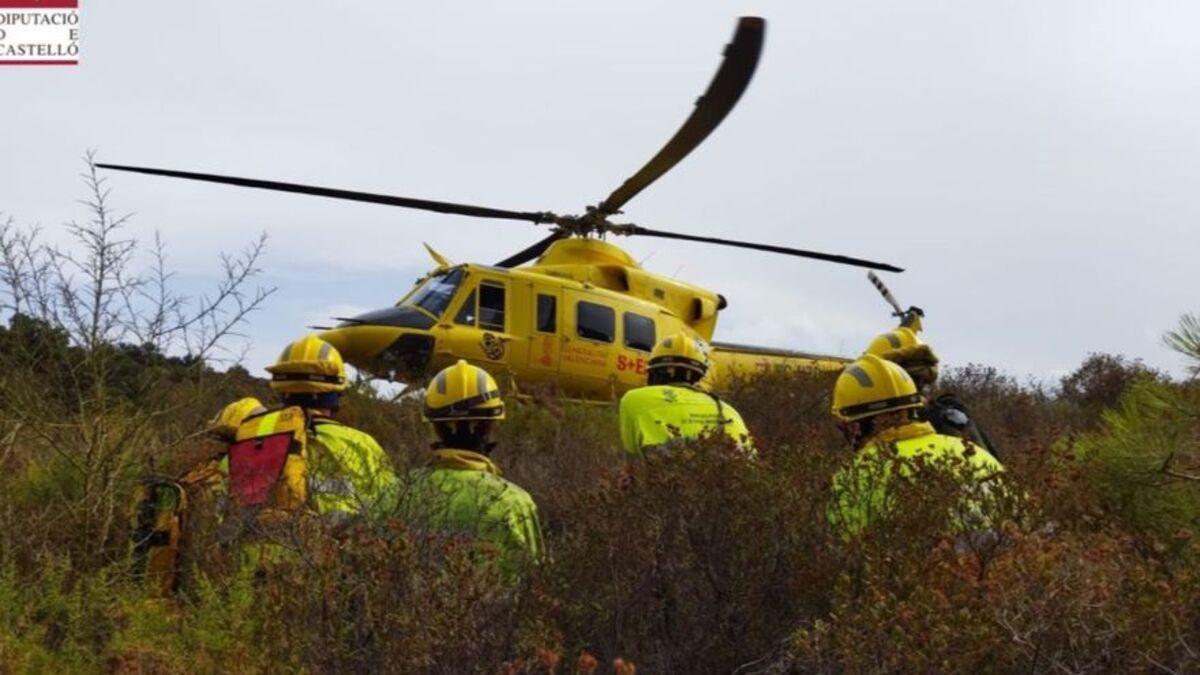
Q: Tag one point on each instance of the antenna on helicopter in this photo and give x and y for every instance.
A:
(733, 76)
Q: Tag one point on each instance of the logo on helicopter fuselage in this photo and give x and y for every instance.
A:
(492, 347)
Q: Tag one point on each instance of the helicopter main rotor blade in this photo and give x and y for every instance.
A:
(351, 195)
(532, 252)
(800, 253)
(740, 60)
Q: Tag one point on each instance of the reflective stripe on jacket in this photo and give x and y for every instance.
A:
(462, 492)
(656, 415)
(860, 490)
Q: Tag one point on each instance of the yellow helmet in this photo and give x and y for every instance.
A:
(680, 350)
(895, 340)
(903, 347)
(225, 425)
(463, 392)
(871, 386)
(309, 365)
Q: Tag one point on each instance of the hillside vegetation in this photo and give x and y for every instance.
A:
(701, 562)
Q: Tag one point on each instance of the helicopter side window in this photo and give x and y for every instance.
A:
(466, 315)
(491, 306)
(639, 332)
(434, 295)
(547, 314)
(595, 322)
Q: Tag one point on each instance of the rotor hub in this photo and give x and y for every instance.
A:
(594, 222)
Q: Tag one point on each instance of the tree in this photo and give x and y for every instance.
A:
(92, 343)
(1185, 339)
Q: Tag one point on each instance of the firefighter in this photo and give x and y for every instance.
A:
(876, 404)
(163, 509)
(208, 479)
(673, 405)
(224, 425)
(222, 428)
(947, 413)
(299, 458)
(461, 491)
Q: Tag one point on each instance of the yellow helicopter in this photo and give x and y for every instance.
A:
(584, 315)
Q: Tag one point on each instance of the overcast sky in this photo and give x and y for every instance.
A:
(1033, 164)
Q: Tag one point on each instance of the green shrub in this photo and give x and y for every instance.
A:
(1145, 460)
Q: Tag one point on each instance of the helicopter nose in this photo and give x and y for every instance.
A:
(384, 351)
(408, 357)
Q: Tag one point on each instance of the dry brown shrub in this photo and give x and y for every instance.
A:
(702, 561)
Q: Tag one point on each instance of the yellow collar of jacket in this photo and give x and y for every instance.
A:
(901, 433)
(464, 460)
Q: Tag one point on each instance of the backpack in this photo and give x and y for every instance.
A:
(949, 416)
(267, 478)
(157, 529)
(268, 463)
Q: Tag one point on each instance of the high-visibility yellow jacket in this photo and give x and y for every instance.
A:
(347, 472)
(860, 490)
(656, 415)
(462, 492)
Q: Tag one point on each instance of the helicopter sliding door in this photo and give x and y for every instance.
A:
(639, 333)
(545, 329)
(589, 337)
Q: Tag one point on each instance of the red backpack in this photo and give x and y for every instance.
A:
(268, 461)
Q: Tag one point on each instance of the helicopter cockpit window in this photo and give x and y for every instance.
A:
(466, 315)
(434, 295)
(639, 332)
(595, 322)
(491, 306)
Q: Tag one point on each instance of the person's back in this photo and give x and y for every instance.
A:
(349, 473)
(656, 415)
(861, 489)
(463, 492)
(672, 406)
(299, 460)
(875, 402)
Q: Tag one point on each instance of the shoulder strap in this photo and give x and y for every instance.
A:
(288, 419)
(950, 400)
(315, 420)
